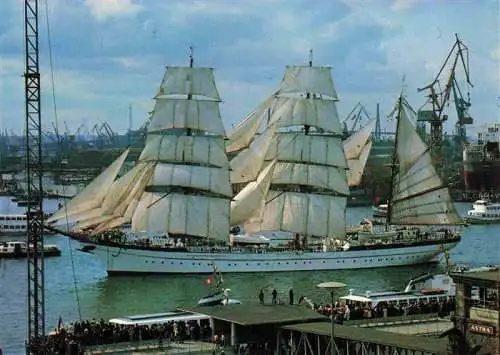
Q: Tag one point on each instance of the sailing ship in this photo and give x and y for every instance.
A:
(419, 203)
(178, 198)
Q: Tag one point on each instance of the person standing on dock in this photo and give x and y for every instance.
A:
(261, 296)
(290, 296)
(275, 296)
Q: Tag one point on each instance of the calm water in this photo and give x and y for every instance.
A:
(98, 296)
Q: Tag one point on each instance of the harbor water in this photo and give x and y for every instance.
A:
(77, 285)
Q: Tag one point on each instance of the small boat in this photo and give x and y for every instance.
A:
(19, 249)
(426, 287)
(219, 294)
(380, 210)
(483, 212)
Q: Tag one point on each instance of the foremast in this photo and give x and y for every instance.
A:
(308, 189)
(180, 184)
(189, 191)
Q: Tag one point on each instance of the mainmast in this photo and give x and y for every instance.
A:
(308, 188)
(190, 95)
(394, 163)
(308, 94)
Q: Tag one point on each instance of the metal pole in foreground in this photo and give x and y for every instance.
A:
(332, 286)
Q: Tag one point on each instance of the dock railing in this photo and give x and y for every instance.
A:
(402, 319)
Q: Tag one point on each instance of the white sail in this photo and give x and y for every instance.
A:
(189, 81)
(199, 149)
(189, 190)
(357, 166)
(248, 200)
(93, 194)
(204, 178)
(314, 149)
(308, 190)
(124, 212)
(246, 165)
(316, 176)
(305, 79)
(193, 215)
(355, 144)
(305, 214)
(116, 193)
(293, 111)
(242, 135)
(418, 194)
(178, 113)
(181, 183)
(432, 208)
(93, 221)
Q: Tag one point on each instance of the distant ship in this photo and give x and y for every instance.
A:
(482, 161)
(179, 201)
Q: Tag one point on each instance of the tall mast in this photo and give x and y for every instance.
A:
(190, 96)
(190, 56)
(394, 163)
(308, 94)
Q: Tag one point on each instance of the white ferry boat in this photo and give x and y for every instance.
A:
(13, 224)
(427, 287)
(484, 211)
(423, 288)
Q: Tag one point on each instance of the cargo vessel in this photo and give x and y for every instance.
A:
(481, 161)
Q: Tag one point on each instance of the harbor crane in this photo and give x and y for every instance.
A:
(356, 115)
(438, 99)
(33, 129)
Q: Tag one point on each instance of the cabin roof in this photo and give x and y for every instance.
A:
(157, 318)
(257, 314)
(487, 278)
(392, 296)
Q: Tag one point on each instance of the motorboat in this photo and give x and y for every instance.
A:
(219, 294)
(484, 211)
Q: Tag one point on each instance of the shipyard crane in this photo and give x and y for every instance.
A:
(438, 98)
(355, 115)
(33, 130)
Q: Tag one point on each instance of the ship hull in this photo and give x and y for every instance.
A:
(128, 261)
(482, 176)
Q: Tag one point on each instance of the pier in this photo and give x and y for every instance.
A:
(281, 329)
(293, 329)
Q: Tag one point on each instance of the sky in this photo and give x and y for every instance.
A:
(109, 54)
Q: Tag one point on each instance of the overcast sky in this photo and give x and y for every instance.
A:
(108, 54)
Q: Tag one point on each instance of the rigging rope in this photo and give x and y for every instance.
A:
(60, 148)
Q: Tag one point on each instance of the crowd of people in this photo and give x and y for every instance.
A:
(79, 335)
(350, 310)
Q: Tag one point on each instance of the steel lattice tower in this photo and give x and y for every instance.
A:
(33, 155)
